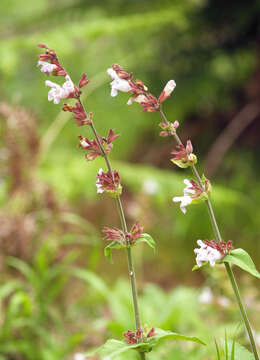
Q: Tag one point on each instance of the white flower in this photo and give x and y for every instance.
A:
(117, 84)
(223, 301)
(139, 99)
(99, 186)
(58, 92)
(84, 144)
(79, 356)
(186, 199)
(206, 254)
(46, 67)
(169, 87)
(68, 86)
(206, 296)
(150, 186)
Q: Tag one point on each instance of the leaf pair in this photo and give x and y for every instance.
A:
(115, 245)
(113, 348)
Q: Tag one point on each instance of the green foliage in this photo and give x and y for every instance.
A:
(232, 350)
(147, 239)
(242, 259)
(112, 348)
(113, 245)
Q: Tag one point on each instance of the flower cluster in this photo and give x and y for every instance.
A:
(183, 156)
(132, 337)
(79, 114)
(93, 145)
(123, 81)
(109, 183)
(114, 234)
(211, 251)
(168, 129)
(50, 64)
(193, 193)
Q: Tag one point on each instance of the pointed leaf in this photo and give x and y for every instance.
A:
(197, 267)
(217, 349)
(113, 245)
(164, 335)
(242, 259)
(233, 350)
(147, 239)
(240, 352)
(113, 348)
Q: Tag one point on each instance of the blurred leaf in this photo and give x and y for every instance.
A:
(92, 279)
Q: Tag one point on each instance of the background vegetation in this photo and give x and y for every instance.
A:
(58, 294)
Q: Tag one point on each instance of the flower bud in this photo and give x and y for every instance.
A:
(168, 89)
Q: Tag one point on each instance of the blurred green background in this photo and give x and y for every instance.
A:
(58, 294)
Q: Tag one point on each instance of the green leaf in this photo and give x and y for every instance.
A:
(217, 349)
(237, 351)
(147, 239)
(242, 259)
(226, 346)
(113, 245)
(233, 350)
(164, 335)
(197, 267)
(113, 348)
(92, 279)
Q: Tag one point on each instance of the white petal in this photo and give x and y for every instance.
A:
(130, 101)
(187, 182)
(113, 92)
(51, 84)
(177, 198)
(169, 87)
(112, 73)
(201, 243)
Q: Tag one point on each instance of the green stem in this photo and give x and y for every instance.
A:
(124, 227)
(242, 309)
(227, 265)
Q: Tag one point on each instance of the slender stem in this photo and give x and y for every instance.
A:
(124, 227)
(227, 265)
(242, 309)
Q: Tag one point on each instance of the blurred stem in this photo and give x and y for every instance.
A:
(219, 238)
(124, 227)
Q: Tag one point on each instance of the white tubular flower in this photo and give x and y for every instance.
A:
(206, 254)
(139, 99)
(169, 87)
(58, 92)
(46, 67)
(186, 199)
(84, 144)
(99, 186)
(68, 87)
(117, 84)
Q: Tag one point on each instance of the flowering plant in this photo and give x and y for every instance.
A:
(214, 251)
(109, 182)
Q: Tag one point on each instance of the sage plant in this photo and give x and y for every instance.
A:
(196, 191)
(142, 339)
